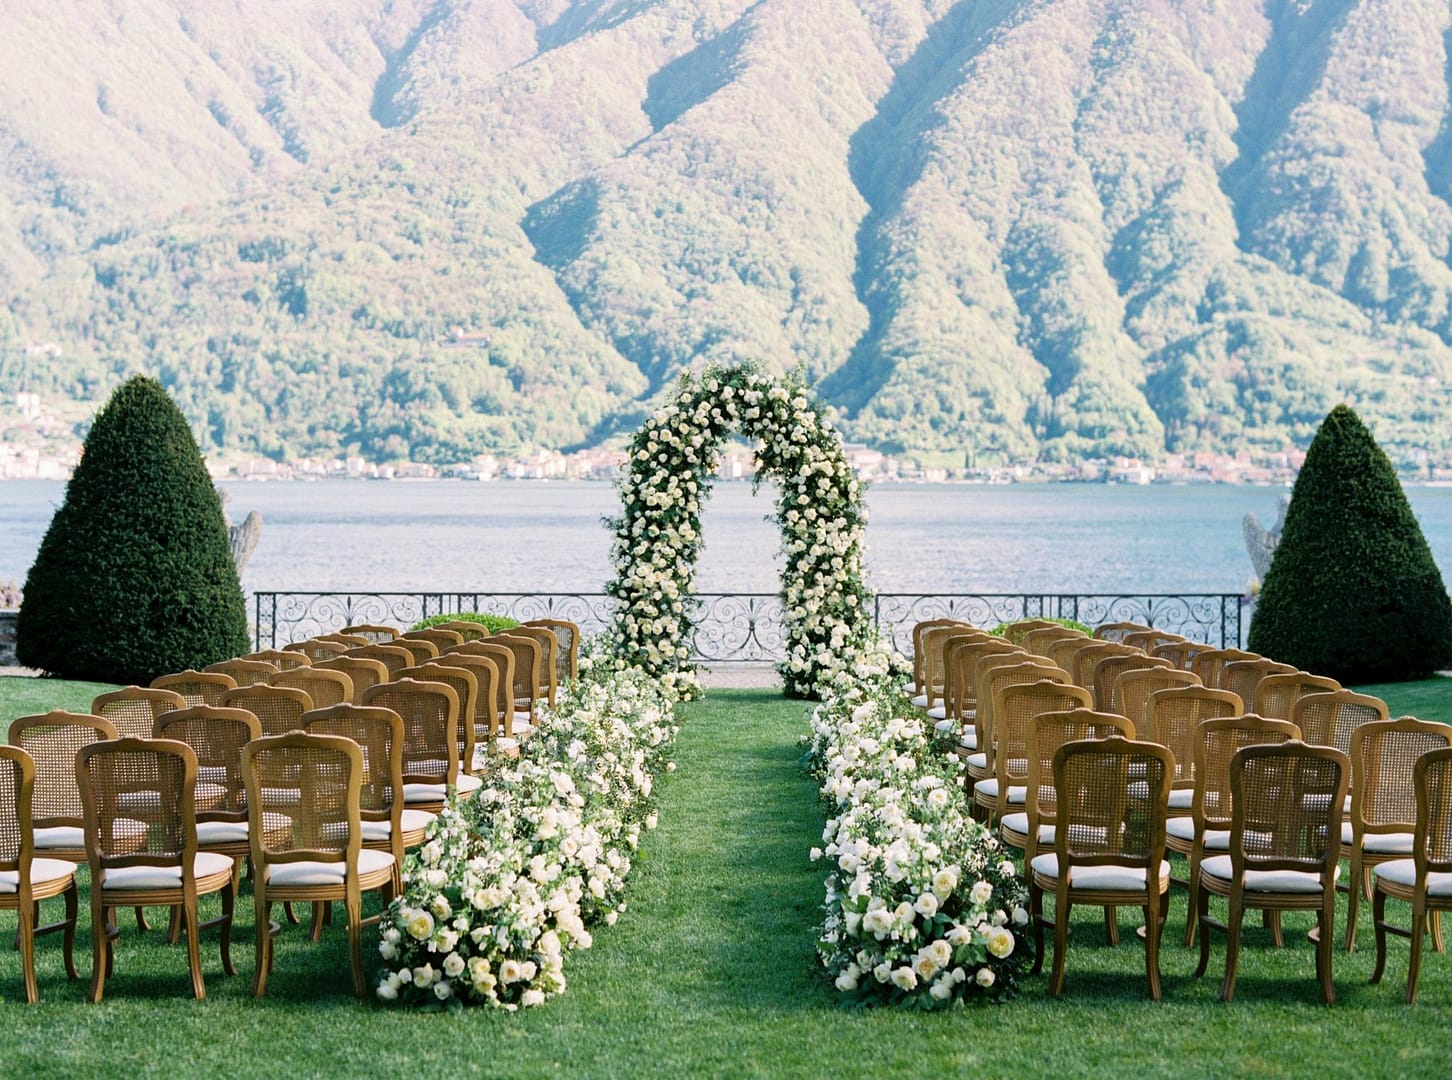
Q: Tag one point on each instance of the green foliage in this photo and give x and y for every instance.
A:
(492, 623)
(1353, 591)
(134, 577)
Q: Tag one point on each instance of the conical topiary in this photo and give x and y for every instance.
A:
(1353, 591)
(134, 578)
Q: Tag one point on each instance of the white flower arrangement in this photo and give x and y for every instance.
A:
(820, 510)
(923, 908)
(509, 882)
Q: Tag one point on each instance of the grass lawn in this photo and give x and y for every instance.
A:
(712, 971)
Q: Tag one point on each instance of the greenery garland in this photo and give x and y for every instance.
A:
(820, 511)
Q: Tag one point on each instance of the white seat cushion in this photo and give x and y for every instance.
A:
(1404, 872)
(1109, 878)
(69, 837)
(1282, 881)
(1183, 828)
(413, 820)
(1018, 823)
(988, 788)
(436, 792)
(920, 700)
(165, 877)
(326, 873)
(132, 801)
(233, 832)
(938, 712)
(41, 871)
(969, 740)
(1181, 798)
(1396, 843)
(978, 761)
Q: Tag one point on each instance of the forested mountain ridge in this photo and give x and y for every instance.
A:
(427, 228)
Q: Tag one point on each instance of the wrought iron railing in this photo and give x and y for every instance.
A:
(747, 627)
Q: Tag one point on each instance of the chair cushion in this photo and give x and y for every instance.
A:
(969, 740)
(1018, 823)
(1110, 878)
(41, 870)
(413, 821)
(1183, 828)
(233, 832)
(920, 700)
(1181, 798)
(132, 801)
(1281, 881)
(1404, 872)
(70, 837)
(326, 873)
(988, 788)
(436, 792)
(165, 877)
(1396, 843)
(978, 761)
(938, 712)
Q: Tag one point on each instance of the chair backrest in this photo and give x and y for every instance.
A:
(134, 709)
(244, 672)
(53, 740)
(1105, 814)
(362, 672)
(197, 687)
(1329, 719)
(466, 629)
(1208, 663)
(282, 659)
(472, 709)
(344, 638)
(528, 660)
(319, 649)
(1016, 631)
(420, 650)
(567, 656)
(1064, 651)
(325, 686)
(1432, 846)
(489, 697)
(952, 646)
(1276, 695)
(375, 633)
(1287, 810)
(1150, 640)
(934, 659)
(1217, 743)
(1048, 731)
(216, 735)
(1117, 631)
(1131, 694)
(547, 670)
(17, 783)
(441, 637)
(1104, 678)
(994, 675)
(964, 652)
(379, 734)
(1038, 641)
(430, 714)
(1173, 717)
(125, 780)
(277, 708)
(1181, 653)
(919, 658)
(315, 780)
(1087, 658)
(503, 659)
(1242, 677)
(393, 657)
(1014, 710)
(1384, 757)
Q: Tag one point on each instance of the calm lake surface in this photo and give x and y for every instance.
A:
(533, 536)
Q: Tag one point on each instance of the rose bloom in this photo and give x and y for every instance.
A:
(509, 971)
(927, 905)
(420, 924)
(985, 977)
(981, 893)
(1000, 942)
(904, 978)
(453, 965)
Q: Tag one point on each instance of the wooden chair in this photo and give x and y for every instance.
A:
(948, 715)
(1131, 695)
(324, 686)
(491, 700)
(1018, 709)
(466, 629)
(1276, 695)
(282, 659)
(392, 657)
(375, 633)
(386, 824)
(962, 653)
(1109, 846)
(243, 672)
(53, 740)
(567, 657)
(1047, 732)
(319, 649)
(322, 858)
(934, 674)
(1117, 631)
(442, 637)
(1150, 640)
(528, 663)
(342, 637)
(1208, 663)
(994, 677)
(1206, 832)
(1037, 642)
(362, 673)
(1181, 653)
(1425, 879)
(547, 684)
(277, 708)
(1172, 718)
(1091, 655)
(1065, 651)
(1330, 719)
(1016, 631)
(430, 714)
(1104, 677)
(503, 659)
(919, 688)
(26, 880)
(1383, 820)
(165, 868)
(197, 687)
(134, 709)
(980, 761)
(465, 685)
(1285, 837)
(420, 650)
(1243, 677)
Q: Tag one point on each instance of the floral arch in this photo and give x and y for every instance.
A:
(820, 512)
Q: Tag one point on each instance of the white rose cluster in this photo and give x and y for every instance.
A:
(509, 882)
(820, 510)
(922, 907)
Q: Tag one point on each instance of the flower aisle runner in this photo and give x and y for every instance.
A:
(510, 882)
(923, 906)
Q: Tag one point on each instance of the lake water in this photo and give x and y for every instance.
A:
(532, 536)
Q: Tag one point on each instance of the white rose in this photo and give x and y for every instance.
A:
(387, 991)
(944, 882)
(985, 977)
(453, 965)
(941, 990)
(422, 976)
(904, 978)
(926, 905)
(419, 924)
(1020, 917)
(443, 991)
(981, 893)
(847, 981)
(1000, 942)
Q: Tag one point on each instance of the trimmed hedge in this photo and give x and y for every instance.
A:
(492, 623)
(134, 577)
(1353, 591)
